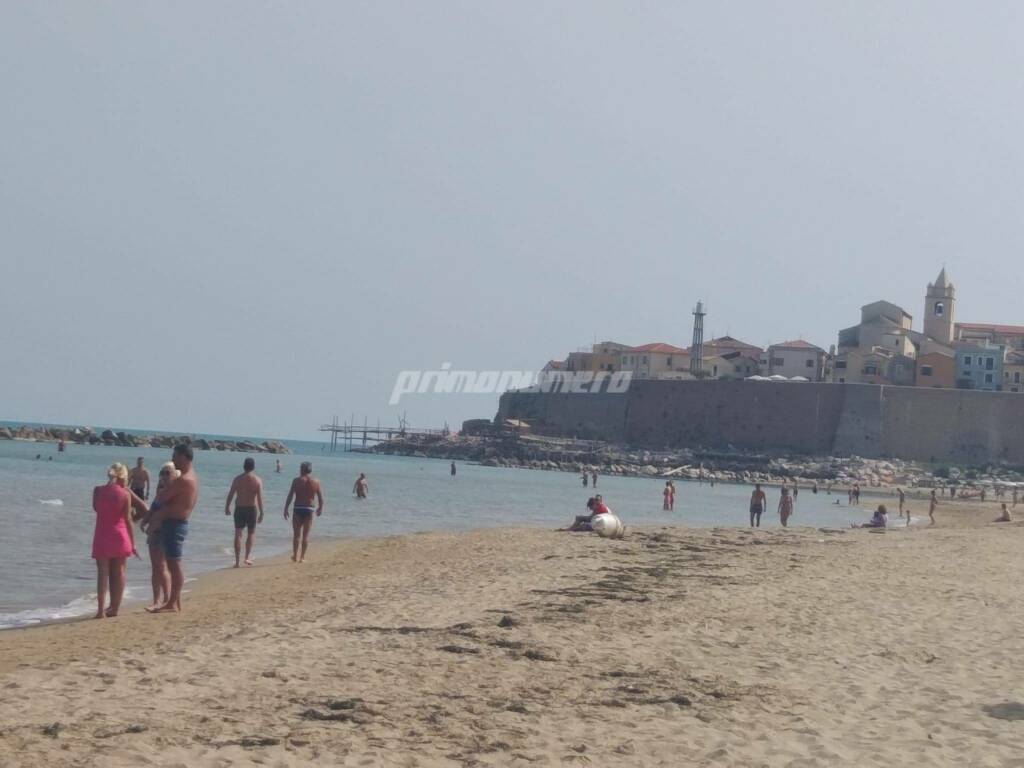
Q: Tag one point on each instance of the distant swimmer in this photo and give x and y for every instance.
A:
(305, 488)
(453, 469)
(785, 506)
(362, 488)
(278, 469)
(170, 521)
(757, 504)
(60, 445)
(138, 479)
(247, 491)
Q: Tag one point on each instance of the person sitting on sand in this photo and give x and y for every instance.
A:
(785, 506)
(583, 522)
(304, 489)
(878, 520)
(113, 539)
(247, 490)
(1005, 517)
(362, 488)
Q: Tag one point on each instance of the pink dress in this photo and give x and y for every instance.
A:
(111, 536)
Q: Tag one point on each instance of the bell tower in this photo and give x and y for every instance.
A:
(938, 309)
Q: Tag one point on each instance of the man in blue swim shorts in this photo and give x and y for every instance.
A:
(169, 523)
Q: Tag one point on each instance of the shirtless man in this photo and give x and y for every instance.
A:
(362, 488)
(932, 504)
(247, 491)
(757, 504)
(169, 523)
(138, 480)
(903, 498)
(304, 489)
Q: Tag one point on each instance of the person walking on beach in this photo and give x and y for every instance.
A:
(362, 488)
(113, 539)
(757, 504)
(304, 489)
(932, 504)
(174, 505)
(785, 506)
(593, 479)
(138, 479)
(247, 491)
(903, 498)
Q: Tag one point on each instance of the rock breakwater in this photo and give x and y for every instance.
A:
(90, 436)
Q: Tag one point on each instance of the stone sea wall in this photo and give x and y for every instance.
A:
(89, 436)
(928, 425)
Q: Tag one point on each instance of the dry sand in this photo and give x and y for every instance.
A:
(528, 647)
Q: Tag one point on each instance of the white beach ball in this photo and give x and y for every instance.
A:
(607, 526)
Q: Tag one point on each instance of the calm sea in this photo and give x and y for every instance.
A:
(45, 511)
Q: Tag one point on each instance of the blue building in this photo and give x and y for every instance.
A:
(980, 366)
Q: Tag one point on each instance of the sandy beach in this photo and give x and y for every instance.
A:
(795, 647)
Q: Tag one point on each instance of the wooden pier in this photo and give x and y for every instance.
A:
(348, 434)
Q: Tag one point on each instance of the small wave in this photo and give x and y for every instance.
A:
(52, 502)
(80, 606)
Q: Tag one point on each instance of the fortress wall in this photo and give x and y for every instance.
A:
(943, 425)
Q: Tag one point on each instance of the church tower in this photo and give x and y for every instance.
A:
(938, 309)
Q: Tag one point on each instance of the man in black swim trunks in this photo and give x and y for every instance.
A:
(304, 489)
(138, 479)
(757, 502)
(247, 490)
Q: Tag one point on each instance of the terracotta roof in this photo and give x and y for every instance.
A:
(728, 342)
(667, 349)
(796, 344)
(1005, 330)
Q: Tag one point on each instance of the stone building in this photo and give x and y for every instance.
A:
(795, 358)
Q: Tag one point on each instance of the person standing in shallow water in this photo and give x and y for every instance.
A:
(757, 504)
(362, 488)
(305, 488)
(593, 479)
(584, 478)
(113, 539)
(170, 521)
(247, 490)
(785, 506)
(453, 469)
(138, 479)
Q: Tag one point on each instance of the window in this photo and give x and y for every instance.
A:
(870, 369)
(714, 370)
(842, 380)
(778, 362)
(668, 361)
(988, 378)
(840, 364)
(926, 370)
(644, 360)
(1015, 389)
(939, 309)
(809, 364)
(1016, 377)
(990, 363)
(625, 360)
(967, 359)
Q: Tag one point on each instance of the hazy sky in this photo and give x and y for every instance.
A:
(246, 217)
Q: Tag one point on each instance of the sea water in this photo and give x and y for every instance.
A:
(46, 517)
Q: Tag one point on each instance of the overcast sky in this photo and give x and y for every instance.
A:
(246, 217)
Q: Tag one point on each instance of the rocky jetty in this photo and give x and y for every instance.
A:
(90, 436)
(533, 452)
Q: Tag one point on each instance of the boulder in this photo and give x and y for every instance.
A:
(6, 434)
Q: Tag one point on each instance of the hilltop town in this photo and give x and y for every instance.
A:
(883, 348)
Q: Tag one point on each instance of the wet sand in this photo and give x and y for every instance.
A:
(527, 647)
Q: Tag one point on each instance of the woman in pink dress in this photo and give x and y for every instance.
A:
(113, 540)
